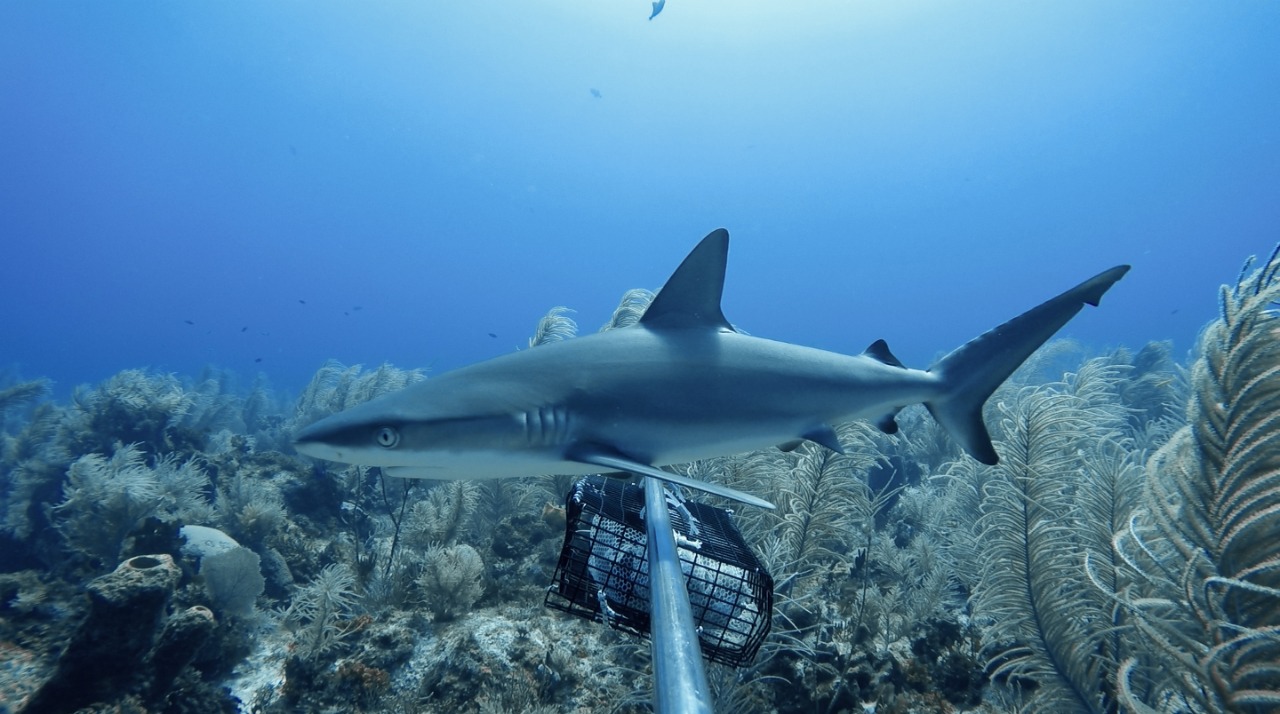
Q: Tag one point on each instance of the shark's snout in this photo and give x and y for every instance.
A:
(306, 437)
(322, 440)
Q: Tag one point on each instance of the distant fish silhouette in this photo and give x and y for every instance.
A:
(189, 322)
(244, 329)
(257, 359)
(493, 335)
(657, 8)
(357, 307)
(301, 301)
(596, 92)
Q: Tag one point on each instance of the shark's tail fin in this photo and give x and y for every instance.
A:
(973, 371)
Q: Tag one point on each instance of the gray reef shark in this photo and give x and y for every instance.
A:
(680, 385)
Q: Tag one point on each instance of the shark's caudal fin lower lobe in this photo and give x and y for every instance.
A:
(973, 371)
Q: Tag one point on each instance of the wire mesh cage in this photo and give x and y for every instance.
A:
(603, 573)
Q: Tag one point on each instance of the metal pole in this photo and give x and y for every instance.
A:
(680, 682)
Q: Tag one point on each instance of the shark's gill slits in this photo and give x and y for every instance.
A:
(546, 426)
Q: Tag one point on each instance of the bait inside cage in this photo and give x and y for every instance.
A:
(603, 573)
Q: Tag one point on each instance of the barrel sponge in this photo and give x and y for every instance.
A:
(103, 658)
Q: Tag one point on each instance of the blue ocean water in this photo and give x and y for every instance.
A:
(264, 186)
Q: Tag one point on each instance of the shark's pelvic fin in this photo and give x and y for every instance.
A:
(691, 297)
(612, 459)
(430, 472)
(822, 436)
(825, 436)
(888, 423)
(971, 373)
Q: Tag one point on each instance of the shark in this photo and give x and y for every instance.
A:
(682, 384)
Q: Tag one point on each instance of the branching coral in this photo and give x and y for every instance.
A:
(630, 309)
(1207, 544)
(444, 515)
(555, 326)
(335, 387)
(1045, 622)
(22, 394)
(319, 610)
(452, 579)
(249, 508)
(105, 498)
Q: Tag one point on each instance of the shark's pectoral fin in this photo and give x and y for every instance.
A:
(789, 446)
(432, 472)
(610, 458)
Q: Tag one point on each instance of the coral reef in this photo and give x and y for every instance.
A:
(1121, 557)
(1203, 546)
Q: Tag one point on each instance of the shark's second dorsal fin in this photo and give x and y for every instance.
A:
(879, 351)
(691, 297)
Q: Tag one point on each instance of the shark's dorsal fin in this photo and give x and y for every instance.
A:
(879, 351)
(691, 297)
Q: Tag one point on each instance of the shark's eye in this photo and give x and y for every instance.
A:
(388, 437)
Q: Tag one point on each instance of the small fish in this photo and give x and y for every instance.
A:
(493, 335)
(301, 301)
(257, 359)
(346, 314)
(244, 329)
(357, 307)
(596, 93)
(189, 322)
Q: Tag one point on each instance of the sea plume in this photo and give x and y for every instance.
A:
(1207, 543)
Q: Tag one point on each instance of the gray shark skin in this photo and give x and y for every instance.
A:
(680, 385)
